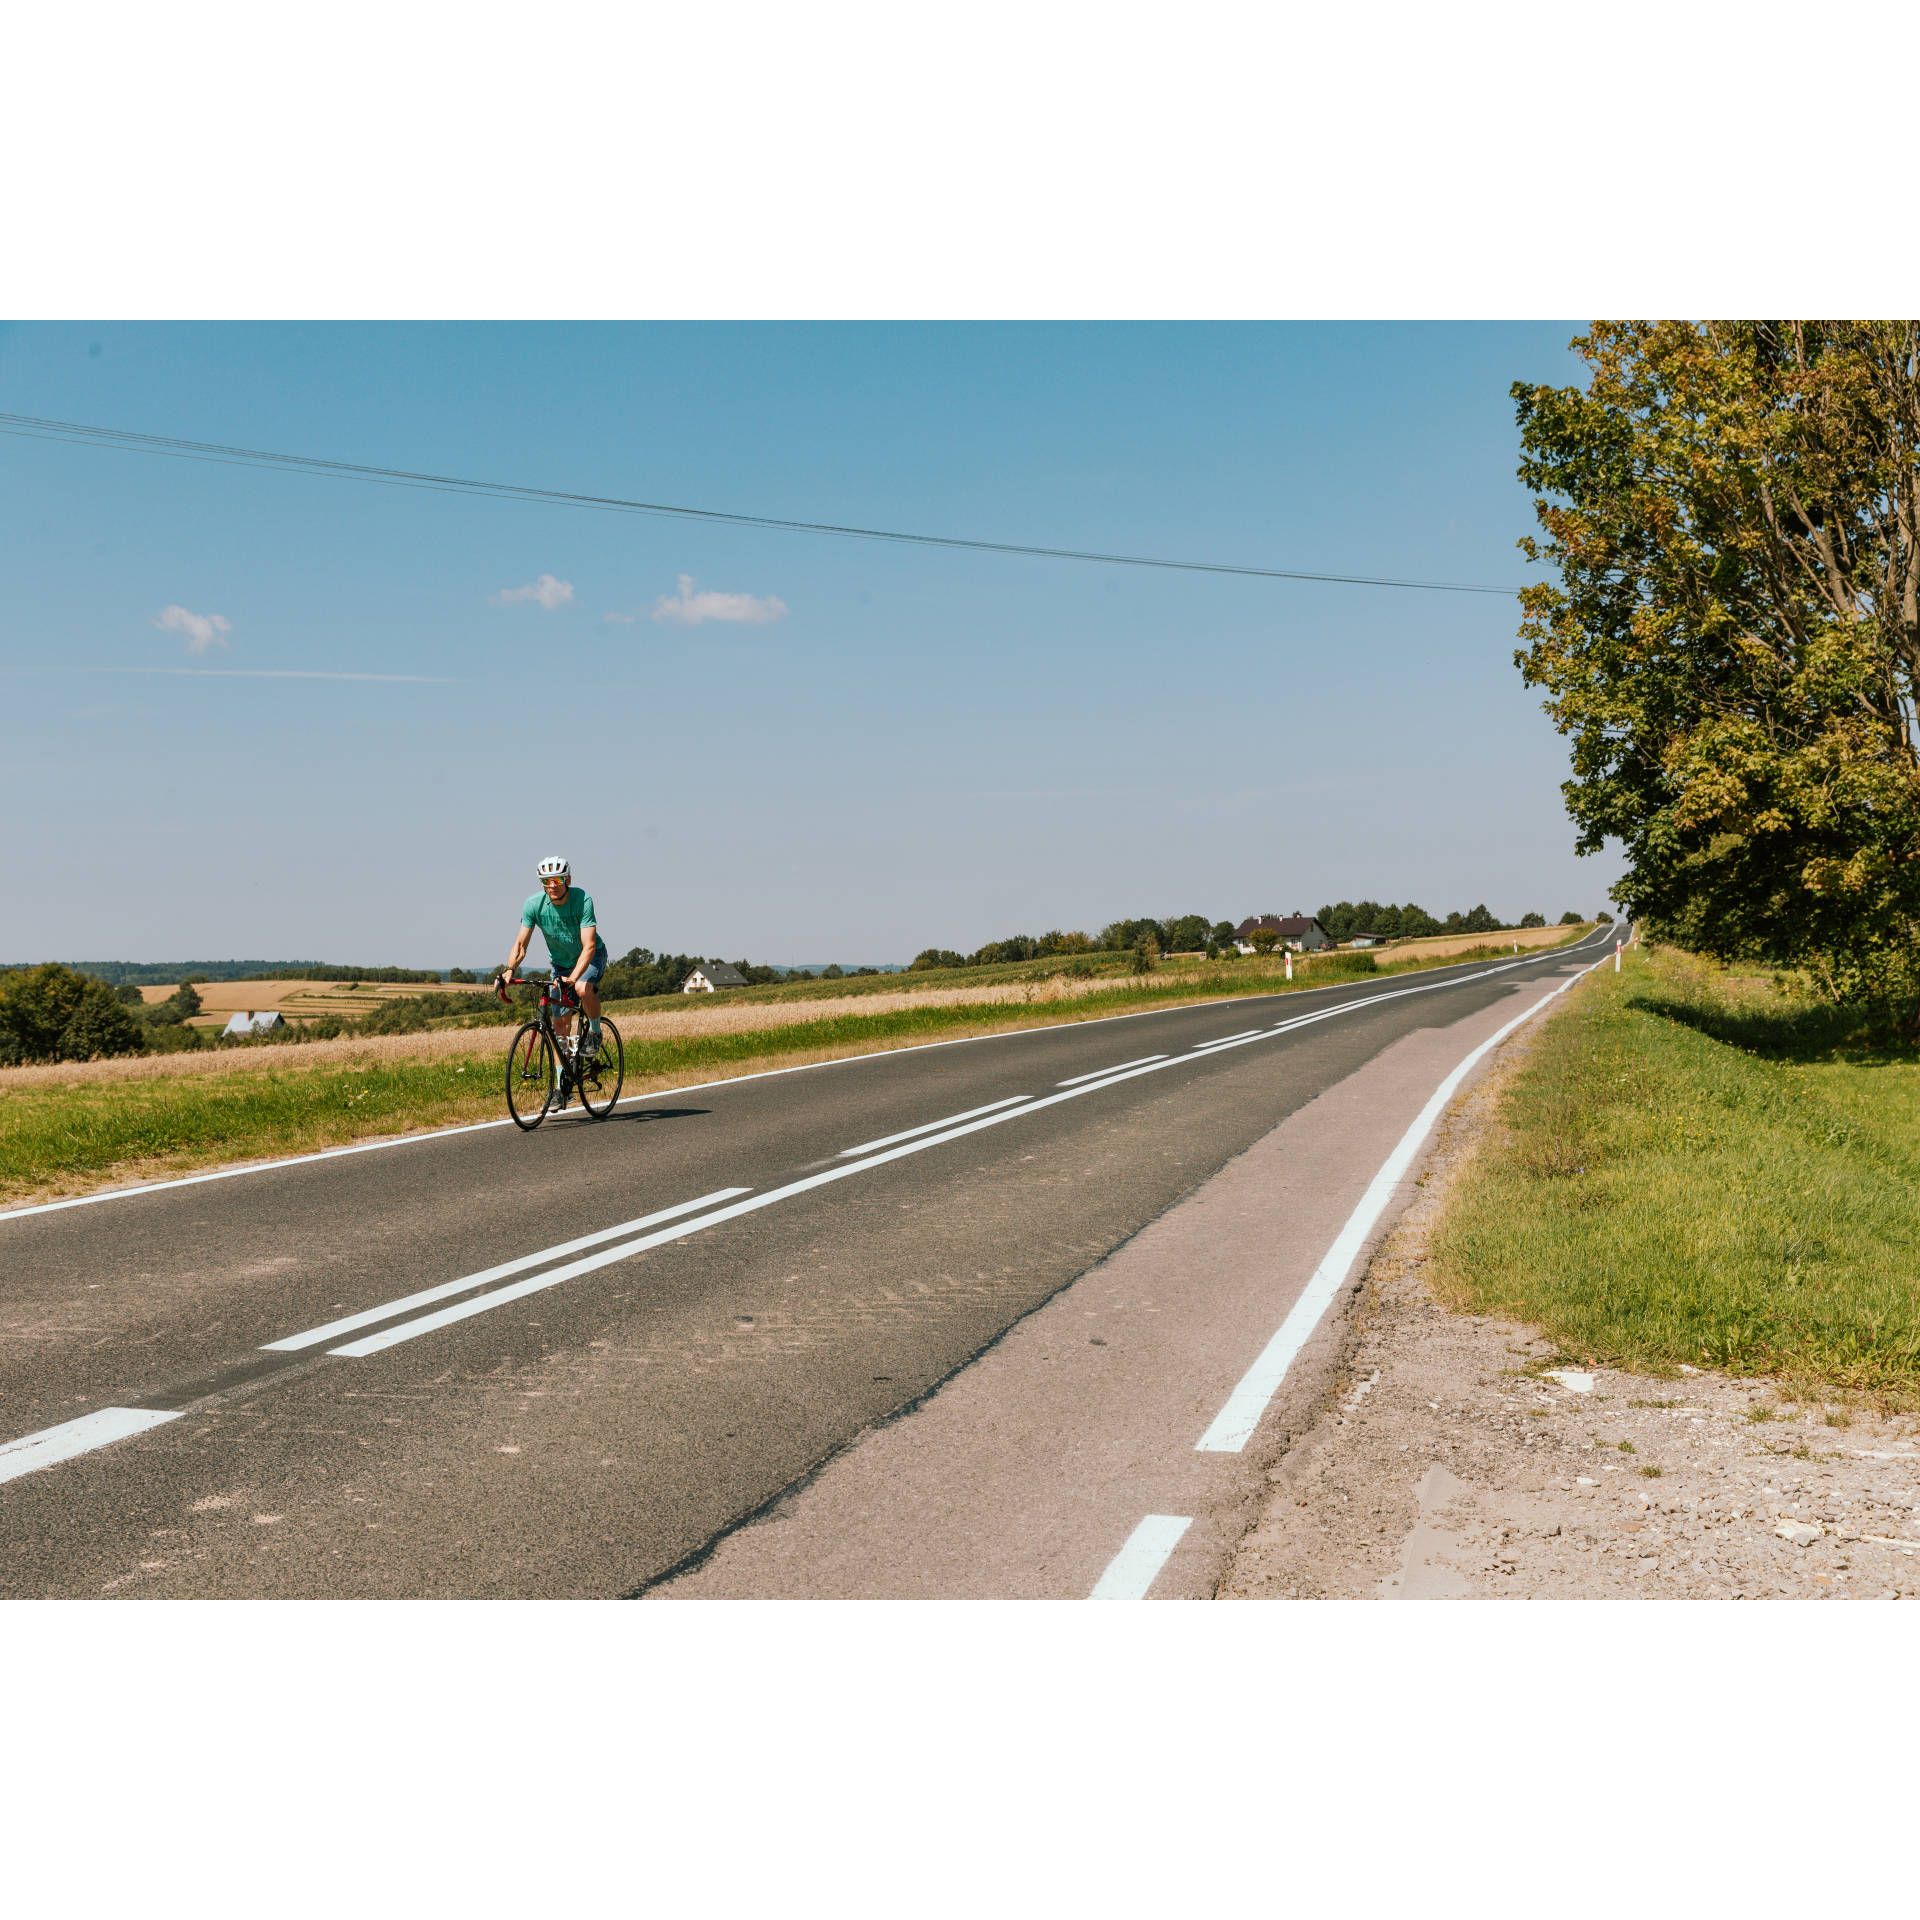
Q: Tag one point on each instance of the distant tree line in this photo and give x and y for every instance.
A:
(1410, 922)
(1149, 938)
(54, 1013)
(165, 973)
(640, 973)
(392, 976)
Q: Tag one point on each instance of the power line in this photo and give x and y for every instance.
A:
(26, 426)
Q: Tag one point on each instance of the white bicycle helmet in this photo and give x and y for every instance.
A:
(554, 867)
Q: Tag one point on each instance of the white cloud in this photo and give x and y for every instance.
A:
(690, 606)
(547, 590)
(203, 630)
(623, 619)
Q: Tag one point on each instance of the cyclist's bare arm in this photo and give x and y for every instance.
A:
(589, 945)
(519, 951)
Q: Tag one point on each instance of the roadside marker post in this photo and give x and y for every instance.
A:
(1616, 956)
(1289, 963)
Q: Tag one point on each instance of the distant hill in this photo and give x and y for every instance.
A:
(164, 973)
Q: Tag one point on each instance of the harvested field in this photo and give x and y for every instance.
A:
(1437, 945)
(296, 999)
(669, 1018)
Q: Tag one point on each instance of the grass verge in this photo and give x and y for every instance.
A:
(1702, 1167)
(63, 1133)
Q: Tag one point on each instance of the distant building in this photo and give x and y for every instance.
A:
(253, 1023)
(712, 977)
(1368, 940)
(1301, 932)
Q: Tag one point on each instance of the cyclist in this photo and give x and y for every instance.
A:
(564, 915)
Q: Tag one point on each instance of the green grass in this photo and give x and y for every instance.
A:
(1700, 1167)
(62, 1138)
(54, 1138)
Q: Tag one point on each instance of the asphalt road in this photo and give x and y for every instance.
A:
(705, 1300)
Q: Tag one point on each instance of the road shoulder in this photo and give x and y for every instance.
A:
(1457, 1456)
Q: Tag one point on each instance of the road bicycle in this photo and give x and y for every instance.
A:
(545, 1067)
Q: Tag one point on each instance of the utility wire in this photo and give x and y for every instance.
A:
(26, 426)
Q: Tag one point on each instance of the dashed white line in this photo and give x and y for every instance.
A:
(876, 1157)
(1137, 1565)
(933, 1126)
(54, 1444)
(734, 1080)
(1104, 1071)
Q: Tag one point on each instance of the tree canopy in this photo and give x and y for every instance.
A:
(53, 1013)
(1733, 646)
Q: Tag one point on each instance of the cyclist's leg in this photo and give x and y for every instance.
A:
(590, 996)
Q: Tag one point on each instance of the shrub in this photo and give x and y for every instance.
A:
(53, 1013)
(397, 1016)
(179, 1007)
(1533, 920)
(1344, 966)
(1570, 920)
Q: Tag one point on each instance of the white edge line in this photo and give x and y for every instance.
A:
(1137, 1565)
(740, 1079)
(500, 1296)
(334, 1328)
(1234, 1425)
(907, 1133)
(73, 1437)
(1100, 1073)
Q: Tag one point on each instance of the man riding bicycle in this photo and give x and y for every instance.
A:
(564, 914)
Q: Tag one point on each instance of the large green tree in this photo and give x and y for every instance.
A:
(53, 1013)
(1733, 645)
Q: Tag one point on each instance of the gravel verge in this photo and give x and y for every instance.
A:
(1458, 1457)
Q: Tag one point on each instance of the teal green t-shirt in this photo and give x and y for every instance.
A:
(561, 925)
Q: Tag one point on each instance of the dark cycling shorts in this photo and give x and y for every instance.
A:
(595, 968)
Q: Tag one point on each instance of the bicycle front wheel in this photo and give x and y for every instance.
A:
(601, 1077)
(531, 1075)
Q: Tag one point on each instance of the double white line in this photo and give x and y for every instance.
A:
(695, 1216)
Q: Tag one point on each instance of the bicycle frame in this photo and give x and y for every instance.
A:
(561, 990)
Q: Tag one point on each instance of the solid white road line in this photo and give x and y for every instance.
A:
(1104, 1071)
(1227, 1039)
(334, 1328)
(907, 1133)
(1233, 1427)
(1137, 1565)
(100, 1429)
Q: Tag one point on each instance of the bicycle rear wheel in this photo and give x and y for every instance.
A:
(601, 1077)
(531, 1075)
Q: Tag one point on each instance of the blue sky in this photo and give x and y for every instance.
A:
(912, 747)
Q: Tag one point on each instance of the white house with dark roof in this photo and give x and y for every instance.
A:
(710, 976)
(243, 1023)
(1300, 931)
